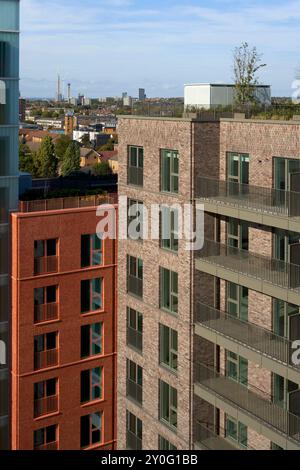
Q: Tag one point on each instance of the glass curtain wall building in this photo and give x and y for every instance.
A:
(9, 119)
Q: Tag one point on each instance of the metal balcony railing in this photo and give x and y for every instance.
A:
(255, 337)
(45, 264)
(134, 391)
(254, 198)
(49, 446)
(133, 442)
(210, 440)
(45, 312)
(45, 359)
(135, 176)
(135, 286)
(250, 399)
(134, 338)
(261, 267)
(62, 203)
(44, 406)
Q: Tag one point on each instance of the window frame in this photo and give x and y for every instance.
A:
(173, 296)
(172, 352)
(173, 176)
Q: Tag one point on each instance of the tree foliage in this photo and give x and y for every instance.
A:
(26, 159)
(71, 159)
(61, 145)
(47, 159)
(247, 63)
(102, 169)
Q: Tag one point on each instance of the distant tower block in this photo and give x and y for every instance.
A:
(69, 92)
(58, 93)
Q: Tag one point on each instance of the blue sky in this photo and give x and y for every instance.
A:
(104, 47)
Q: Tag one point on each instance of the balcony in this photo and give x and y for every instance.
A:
(265, 204)
(135, 176)
(45, 406)
(135, 286)
(269, 276)
(247, 338)
(45, 359)
(46, 312)
(49, 446)
(207, 439)
(250, 400)
(134, 391)
(45, 265)
(63, 203)
(134, 339)
(133, 442)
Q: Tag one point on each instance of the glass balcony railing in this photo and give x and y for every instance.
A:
(135, 286)
(45, 312)
(134, 339)
(254, 198)
(256, 338)
(249, 399)
(134, 391)
(133, 442)
(210, 440)
(276, 272)
(135, 176)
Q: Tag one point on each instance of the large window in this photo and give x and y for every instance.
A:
(281, 390)
(45, 397)
(168, 347)
(45, 350)
(91, 340)
(283, 169)
(237, 368)
(236, 431)
(91, 251)
(134, 381)
(238, 234)
(169, 290)
(237, 301)
(134, 432)
(91, 432)
(135, 276)
(135, 213)
(136, 166)
(169, 228)
(283, 313)
(45, 304)
(91, 385)
(168, 404)
(238, 167)
(45, 256)
(134, 329)
(91, 295)
(169, 171)
(282, 241)
(164, 444)
(46, 438)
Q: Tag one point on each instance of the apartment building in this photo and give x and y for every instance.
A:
(205, 337)
(63, 326)
(9, 121)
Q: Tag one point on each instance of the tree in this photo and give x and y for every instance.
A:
(46, 159)
(247, 62)
(71, 159)
(26, 161)
(85, 140)
(109, 146)
(61, 145)
(102, 168)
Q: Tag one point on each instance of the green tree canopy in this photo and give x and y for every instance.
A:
(71, 159)
(61, 145)
(46, 159)
(102, 168)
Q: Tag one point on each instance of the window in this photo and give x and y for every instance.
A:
(2, 92)
(281, 391)
(91, 340)
(238, 168)
(91, 251)
(168, 290)
(45, 397)
(237, 301)
(164, 444)
(91, 295)
(4, 58)
(168, 347)
(283, 169)
(45, 350)
(236, 431)
(168, 404)
(134, 381)
(237, 368)
(283, 313)
(135, 166)
(169, 228)
(134, 434)
(45, 256)
(281, 244)
(169, 171)
(135, 211)
(238, 234)
(135, 276)
(91, 385)
(134, 329)
(91, 429)
(46, 438)
(45, 304)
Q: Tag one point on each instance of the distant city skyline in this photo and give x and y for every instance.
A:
(105, 47)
